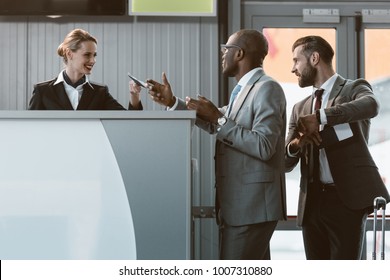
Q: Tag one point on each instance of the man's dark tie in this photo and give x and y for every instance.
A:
(318, 93)
(233, 95)
(316, 153)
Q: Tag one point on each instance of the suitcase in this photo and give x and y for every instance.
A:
(379, 203)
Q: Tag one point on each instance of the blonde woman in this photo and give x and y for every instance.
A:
(72, 89)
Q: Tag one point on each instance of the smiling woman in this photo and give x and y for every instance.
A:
(72, 90)
(78, 52)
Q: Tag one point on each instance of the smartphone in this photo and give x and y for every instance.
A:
(138, 82)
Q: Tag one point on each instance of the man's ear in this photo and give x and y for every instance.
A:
(240, 54)
(315, 58)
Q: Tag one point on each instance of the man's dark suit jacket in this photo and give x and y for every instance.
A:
(48, 96)
(353, 169)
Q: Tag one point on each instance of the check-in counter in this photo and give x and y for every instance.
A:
(95, 184)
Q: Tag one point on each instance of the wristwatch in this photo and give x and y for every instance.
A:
(221, 122)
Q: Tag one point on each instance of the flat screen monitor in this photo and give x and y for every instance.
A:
(63, 7)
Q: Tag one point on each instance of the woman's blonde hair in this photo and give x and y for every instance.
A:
(73, 41)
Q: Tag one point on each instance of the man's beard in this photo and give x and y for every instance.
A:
(307, 77)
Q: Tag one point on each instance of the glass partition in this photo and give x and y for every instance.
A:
(377, 72)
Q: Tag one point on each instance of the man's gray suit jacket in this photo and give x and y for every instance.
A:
(249, 155)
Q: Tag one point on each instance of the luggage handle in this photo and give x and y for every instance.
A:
(379, 202)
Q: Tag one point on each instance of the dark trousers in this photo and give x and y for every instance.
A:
(330, 229)
(249, 242)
